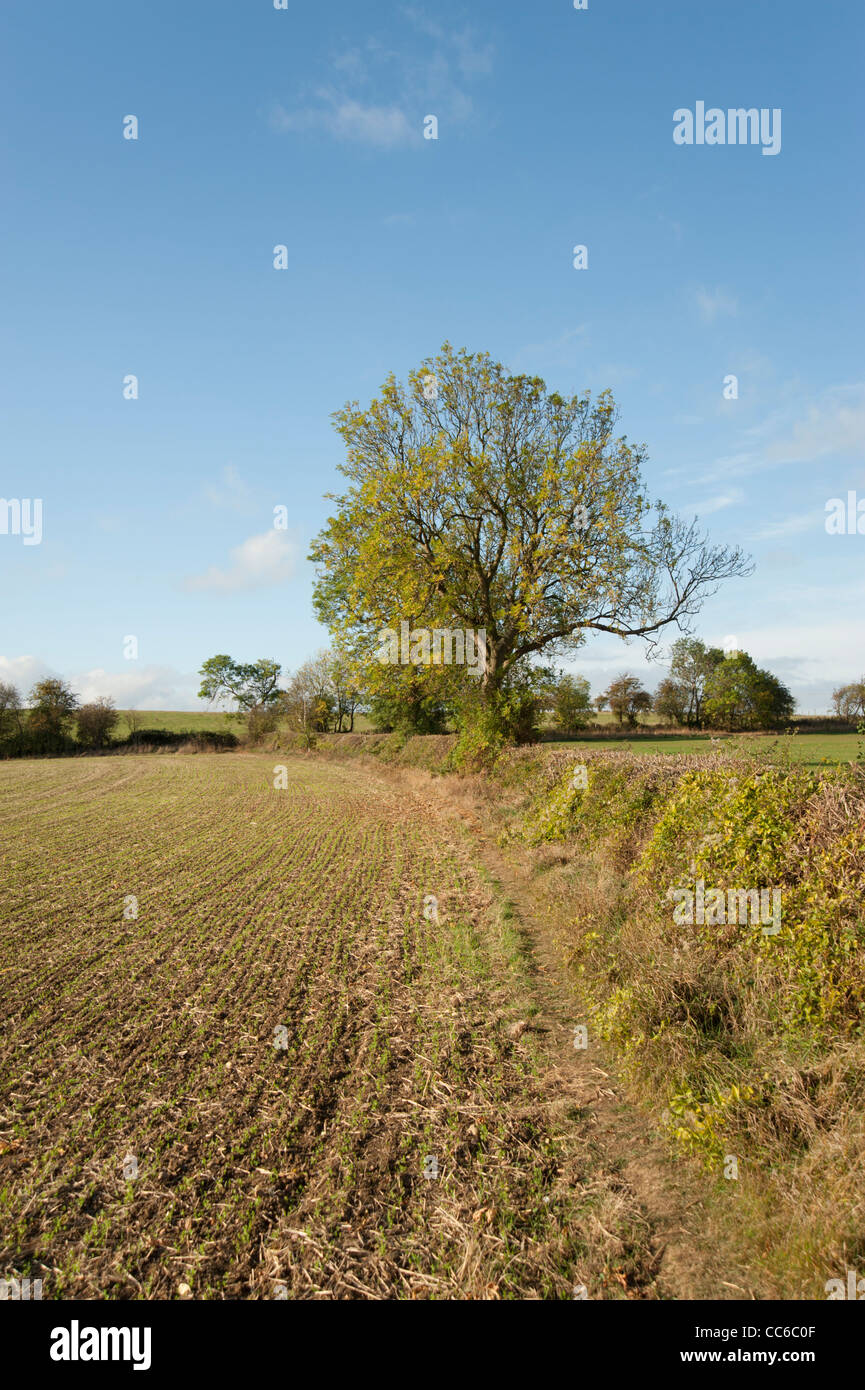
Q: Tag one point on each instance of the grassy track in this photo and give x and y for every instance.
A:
(260, 1167)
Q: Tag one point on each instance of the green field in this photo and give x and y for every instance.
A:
(178, 721)
(812, 750)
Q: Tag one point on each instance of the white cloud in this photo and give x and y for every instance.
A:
(145, 687)
(811, 658)
(23, 672)
(260, 562)
(150, 687)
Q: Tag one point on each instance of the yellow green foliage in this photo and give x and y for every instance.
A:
(714, 1017)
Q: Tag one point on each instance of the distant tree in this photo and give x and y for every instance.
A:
(262, 720)
(309, 701)
(52, 709)
(640, 704)
(317, 675)
(345, 687)
(253, 687)
(739, 695)
(10, 713)
(96, 723)
(671, 701)
(691, 667)
(249, 685)
(298, 714)
(626, 698)
(849, 700)
(572, 703)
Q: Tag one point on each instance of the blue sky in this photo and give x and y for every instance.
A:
(304, 127)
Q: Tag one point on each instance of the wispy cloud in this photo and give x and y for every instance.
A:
(716, 303)
(379, 95)
(471, 57)
(231, 491)
(260, 562)
(834, 425)
(715, 504)
(790, 526)
(347, 119)
(141, 687)
(562, 351)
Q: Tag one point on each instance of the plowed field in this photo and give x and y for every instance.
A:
(237, 1045)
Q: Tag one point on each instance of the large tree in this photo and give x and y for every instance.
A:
(487, 503)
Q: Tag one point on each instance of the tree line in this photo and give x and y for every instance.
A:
(704, 688)
(54, 722)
